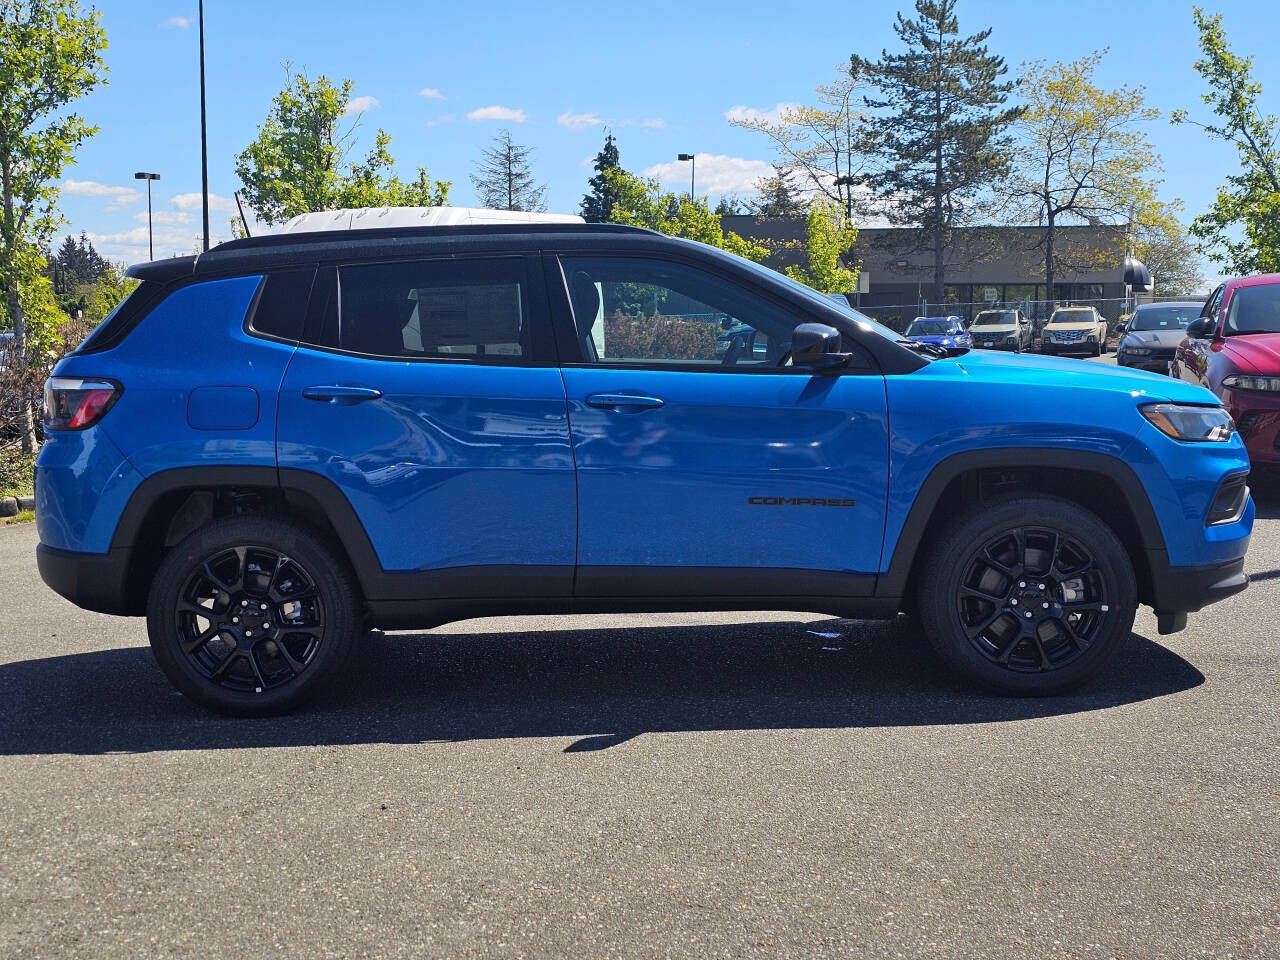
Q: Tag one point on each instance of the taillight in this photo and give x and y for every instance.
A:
(72, 404)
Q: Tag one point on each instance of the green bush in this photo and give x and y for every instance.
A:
(17, 473)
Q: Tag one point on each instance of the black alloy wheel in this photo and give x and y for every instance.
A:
(1032, 599)
(1029, 594)
(253, 614)
(250, 619)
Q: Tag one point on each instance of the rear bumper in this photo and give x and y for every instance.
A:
(94, 581)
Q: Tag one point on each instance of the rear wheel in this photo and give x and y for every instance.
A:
(252, 615)
(1028, 596)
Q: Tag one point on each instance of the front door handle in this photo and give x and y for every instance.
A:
(626, 401)
(341, 394)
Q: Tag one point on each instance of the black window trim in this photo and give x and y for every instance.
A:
(556, 260)
(535, 295)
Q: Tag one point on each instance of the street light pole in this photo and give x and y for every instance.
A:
(693, 171)
(204, 139)
(142, 175)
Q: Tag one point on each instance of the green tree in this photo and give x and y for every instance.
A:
(298, 162)
(941, 126)
(597, 205)
(50, 56)
(1241, 231)
(778, 196)
(643, 203)
(504, 177)
(828, 238)
(1081, 155)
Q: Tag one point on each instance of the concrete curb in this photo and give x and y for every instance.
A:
(8, 507)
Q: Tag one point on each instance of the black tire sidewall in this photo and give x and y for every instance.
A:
(333, 581)
(950, 557)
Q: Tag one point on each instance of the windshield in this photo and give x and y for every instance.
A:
(933, 328)
(1072, 316)
(995, 318)
(1254, 310)
(1172, 316)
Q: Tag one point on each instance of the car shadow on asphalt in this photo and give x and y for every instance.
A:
(600, 687)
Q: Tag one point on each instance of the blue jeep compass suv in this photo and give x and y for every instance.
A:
(270, 447)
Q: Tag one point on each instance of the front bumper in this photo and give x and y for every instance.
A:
(1074, 346)
(1155, 364)
(1257, 417)
(1182, 590)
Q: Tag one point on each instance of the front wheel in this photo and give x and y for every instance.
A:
(1029, 596)
(252, 615)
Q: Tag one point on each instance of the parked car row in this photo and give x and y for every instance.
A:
(1069, 330)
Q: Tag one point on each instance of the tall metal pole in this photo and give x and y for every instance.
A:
(204, 138)
(693, 177)
(151, 246)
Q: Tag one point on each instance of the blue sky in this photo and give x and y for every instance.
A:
(663, 75)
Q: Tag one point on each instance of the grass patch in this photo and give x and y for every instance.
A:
(17, 473)
(26, 516)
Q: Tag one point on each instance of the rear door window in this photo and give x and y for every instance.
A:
(434, 309)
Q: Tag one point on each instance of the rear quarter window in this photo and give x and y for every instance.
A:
(281, 303)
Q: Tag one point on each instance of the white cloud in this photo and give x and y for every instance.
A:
(431, 93)
(176, 23)
(191, 201)
(653, 123)
(716, 173)
(495, 112)
(117, 197)
(168, 217)
(741, 114)
(579, 121)
(361, 105)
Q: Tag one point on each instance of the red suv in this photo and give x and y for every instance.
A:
(1234, 350)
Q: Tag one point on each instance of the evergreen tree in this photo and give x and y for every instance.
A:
(941, 125)
(75, 264)
(597, 206)
(778, 196)
(504, 179)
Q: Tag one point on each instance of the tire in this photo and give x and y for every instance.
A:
(307, 603)
(1091, 605)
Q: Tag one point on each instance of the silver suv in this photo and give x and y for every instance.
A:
(1075, 330)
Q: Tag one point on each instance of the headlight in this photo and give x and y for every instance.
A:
(1137, 351)
(1192, 424)
(1093, 335)
(1239, 382)
(948, 342)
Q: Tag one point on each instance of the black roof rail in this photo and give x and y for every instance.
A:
(375, 233)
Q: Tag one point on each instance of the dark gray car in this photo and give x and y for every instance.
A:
(1153, 333)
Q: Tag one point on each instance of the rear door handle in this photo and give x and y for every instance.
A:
(610, 401)
(341, 394)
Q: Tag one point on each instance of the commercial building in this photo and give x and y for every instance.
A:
(985, 267)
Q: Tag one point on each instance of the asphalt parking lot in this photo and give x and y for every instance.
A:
(755, 784)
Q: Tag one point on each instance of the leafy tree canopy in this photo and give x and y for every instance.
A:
(643, 203)
(50, 56)
(828, 238)
(298, 162)
(1241, 231)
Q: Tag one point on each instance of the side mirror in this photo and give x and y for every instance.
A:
(1201, 328)
(817, 346)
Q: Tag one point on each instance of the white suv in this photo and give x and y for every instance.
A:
(1075, 330)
